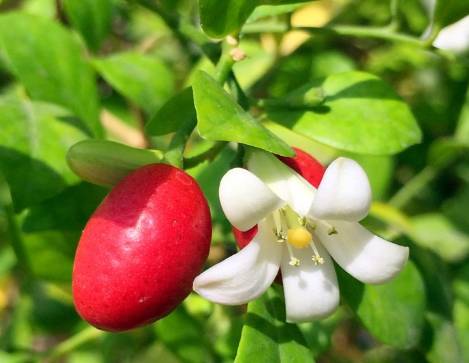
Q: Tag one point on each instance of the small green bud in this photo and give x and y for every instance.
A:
(105, 162)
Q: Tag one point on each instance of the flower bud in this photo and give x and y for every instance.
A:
(141, 249)
(106, 162)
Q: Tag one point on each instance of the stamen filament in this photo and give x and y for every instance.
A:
(317, 259)
(293, 260)
(332, 230)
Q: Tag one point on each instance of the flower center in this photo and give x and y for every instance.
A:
(299, 233)
(299, 237)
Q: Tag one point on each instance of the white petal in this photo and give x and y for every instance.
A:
(344, 192)
(287, 184)
(363, 255)
(454, 37)
(244, 276)
(311, 291)
(245, 199)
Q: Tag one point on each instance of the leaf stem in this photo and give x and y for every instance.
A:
(343, 30)
(414, 186)
(70, 344)
(14, 233)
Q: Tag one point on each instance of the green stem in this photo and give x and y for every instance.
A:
(72, 343)
(16, 241)
(394, 8)
(414, 186)
(365, 32)
(223, 68)
(343, 30)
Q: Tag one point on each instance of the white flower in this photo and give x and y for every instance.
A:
(299, 228)
(454, 37)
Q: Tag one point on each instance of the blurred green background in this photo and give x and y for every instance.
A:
(76, 68)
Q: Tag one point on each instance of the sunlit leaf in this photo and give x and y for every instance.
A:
(50, 64)
(393, 312)
(361, 114)
(145, 80)
(34, 138)
(266, 338)
(219, 117)
(92, 18)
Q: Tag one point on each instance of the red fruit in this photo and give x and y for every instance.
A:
(305, 165)
(141, 249)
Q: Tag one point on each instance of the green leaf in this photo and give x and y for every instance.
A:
(67, 211)
(450, 11)
(220, 18)
(92, 18)
(106, 162)
(272, 10)
(177, 111)
(266, 338)
(461, 310)
(361, 114)
(50, 64)
(393, 312)
(181, 334)
(444, 344)
(50, 254)
(144, 79)
(435, 232)
(34, 138)
(220, 118)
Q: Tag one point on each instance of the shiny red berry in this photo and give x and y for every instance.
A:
(141, 249)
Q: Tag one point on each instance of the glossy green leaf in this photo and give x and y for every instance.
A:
(267, 338)
(435, 232)
(219, 117)
(106, 162)
(50, 63)
(361, 114)
(393, 312)
(92, 18)
(263, 11)
(178, 110)
(144, 79)
(450, 11)
(220, 18)
(34, 138)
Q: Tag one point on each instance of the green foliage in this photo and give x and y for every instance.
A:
(92, 18)
(57, 72)
(266, 337)
(145, 80)
(93, 89)
(106, 162)
(380, 123)
(393, 312)
(448, 12)
(219, 117)
(34, 139)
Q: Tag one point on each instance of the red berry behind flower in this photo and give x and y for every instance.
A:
(141, 249)
(305, 165)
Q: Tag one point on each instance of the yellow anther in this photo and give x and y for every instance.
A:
(299, 237)
(294, 262)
